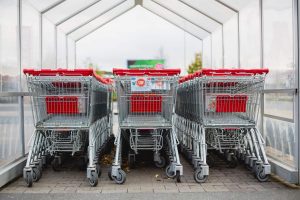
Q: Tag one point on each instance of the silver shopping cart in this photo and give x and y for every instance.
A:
(146, 100)
(218, 109)
(72, 115)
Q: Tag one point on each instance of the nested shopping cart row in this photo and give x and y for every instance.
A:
(146, 102)
(72, 115)
(218, 109)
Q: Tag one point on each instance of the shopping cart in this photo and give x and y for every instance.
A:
(72, 115)
(218, 109)
(146, 100)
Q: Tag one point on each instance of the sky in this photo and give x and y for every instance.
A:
(138, 34)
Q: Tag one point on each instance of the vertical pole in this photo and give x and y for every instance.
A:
(21, 107)
(223, 54)
(67, 52)
(56, 46)
(41, 40)
(75, 54)
(211, 52)
(261, 63)
(184, 49)
(296, 20)
(239, 40)
(202, 57)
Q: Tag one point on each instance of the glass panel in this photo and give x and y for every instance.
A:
(280, 140)
(278, 43)
(190, 14)
(48, 44)
(144, 36)
(9, 70)
(212, 9)
(28, 122)
(42, 4)
(61, 50)
(89, 14)
(231, 43)
(280, 104)
(249, 35)
(66, 9)
(217, 49)
(71, 54)
(175, 19)
(10, 148)
(207, 52)
(102, 20)
(30, 39)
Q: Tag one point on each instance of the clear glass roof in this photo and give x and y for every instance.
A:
(211, 8)
(189, 14)
(102, 20)
(41, 5)
(175, 19)
(79, 17)
(89, 14)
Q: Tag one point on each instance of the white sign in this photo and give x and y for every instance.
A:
(140, 84)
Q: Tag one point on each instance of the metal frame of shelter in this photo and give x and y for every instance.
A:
(289, 174)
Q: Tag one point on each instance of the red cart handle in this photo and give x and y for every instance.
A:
(233, 72)
(143, 72)
(67, 72)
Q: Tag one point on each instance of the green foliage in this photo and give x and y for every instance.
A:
(196, 64)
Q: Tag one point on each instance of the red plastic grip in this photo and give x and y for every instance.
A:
(149, 72)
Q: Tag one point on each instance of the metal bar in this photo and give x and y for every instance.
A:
(227, 6)
(15, 94)
(211, 51)
(291, 90)
(296, 31)
(52, 6)
(94, 18)
(41, 40)
(173, 23)
(262, 106)
(181, 16)
(93, 30)
(77, 12)
(223, 54)
(67, 53)
(279, 118)
(75, 55)
(199, 11)
(261, 33)
(56, 47)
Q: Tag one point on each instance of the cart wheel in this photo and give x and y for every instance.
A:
(121, 178)
(162, 162)
(261, 176)
(93, 181)
(178, 177)
(98, 170)
(109, 174)
(169, 173)
(210, 161)
(28, 178)
(36, 174)
(233, 163)
(199, 178)
(55, 165)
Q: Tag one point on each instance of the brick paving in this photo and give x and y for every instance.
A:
(145, 178)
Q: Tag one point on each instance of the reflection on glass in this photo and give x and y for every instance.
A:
(281, 105)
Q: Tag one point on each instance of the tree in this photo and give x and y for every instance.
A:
(196, 65)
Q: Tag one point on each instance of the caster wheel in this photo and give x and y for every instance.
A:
(55, 165)
(233, 163)
(28, 178)
(93, 181)
(36, 174)
(109, 174)
(210, 161)
(162, 162)
(261, 176)
(169, 173)
(121, 178)
(178, 177)
(98, 170)
(199, 178)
